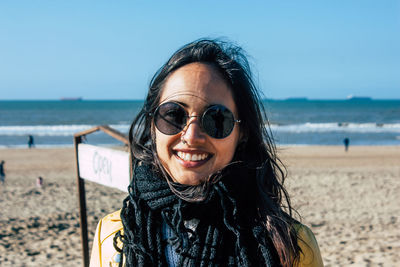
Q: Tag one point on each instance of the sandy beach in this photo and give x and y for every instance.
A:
(350, 201)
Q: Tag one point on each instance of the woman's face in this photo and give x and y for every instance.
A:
(196, 86)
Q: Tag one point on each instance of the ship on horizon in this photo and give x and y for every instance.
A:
(71, 98)
(358, 98)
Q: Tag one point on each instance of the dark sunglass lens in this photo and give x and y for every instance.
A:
(218, 121)
(170, 118)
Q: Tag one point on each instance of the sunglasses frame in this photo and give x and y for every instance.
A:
(187, 116)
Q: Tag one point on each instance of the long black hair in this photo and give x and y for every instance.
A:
(256, 147)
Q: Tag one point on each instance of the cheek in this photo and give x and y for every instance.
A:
(164, 145)
(161, 145)
(227, 148)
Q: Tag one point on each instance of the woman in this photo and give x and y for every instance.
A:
(207, 188)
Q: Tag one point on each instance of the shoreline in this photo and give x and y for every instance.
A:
(22, 147)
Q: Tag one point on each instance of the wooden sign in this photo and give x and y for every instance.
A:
(105, 166)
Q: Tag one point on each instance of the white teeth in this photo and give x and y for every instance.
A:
(187, 157)
(191, 157)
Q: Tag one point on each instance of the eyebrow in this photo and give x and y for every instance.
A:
(204, 108)
(181, 103)
(186, 105)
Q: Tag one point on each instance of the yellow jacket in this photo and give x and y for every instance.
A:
(104, 254)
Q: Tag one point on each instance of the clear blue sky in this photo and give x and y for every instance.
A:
(111, 49)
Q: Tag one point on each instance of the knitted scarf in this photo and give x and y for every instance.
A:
(222, 230)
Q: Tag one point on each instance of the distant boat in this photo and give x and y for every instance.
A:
(359, 98)
(71, 98)
(296, 99)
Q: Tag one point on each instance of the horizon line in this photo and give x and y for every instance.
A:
(81, 99)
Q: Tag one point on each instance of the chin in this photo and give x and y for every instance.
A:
(192, 180)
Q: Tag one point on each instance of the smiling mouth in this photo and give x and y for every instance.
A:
(192, 156)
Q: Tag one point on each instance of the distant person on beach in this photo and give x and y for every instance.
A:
(31, 142)
(39, 182)
(346, 143)
(207, 185)
(2, 172)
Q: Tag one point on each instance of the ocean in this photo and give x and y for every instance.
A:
(293, 121)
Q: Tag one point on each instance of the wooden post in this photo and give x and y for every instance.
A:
(81, 184)
(82, 207)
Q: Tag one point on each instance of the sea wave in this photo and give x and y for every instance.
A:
(337, 127)
(52, 130)
(69, 130)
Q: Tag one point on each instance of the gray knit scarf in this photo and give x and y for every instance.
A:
(223, 230)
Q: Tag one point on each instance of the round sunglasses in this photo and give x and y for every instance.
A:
(217, 121)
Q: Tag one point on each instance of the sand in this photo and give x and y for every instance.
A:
(351, 201)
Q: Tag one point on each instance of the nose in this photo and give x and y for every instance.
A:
(192, 133)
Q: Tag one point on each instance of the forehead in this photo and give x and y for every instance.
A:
(197, 83)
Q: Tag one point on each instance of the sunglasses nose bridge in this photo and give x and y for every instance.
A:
(189, 121)
(193, 132)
